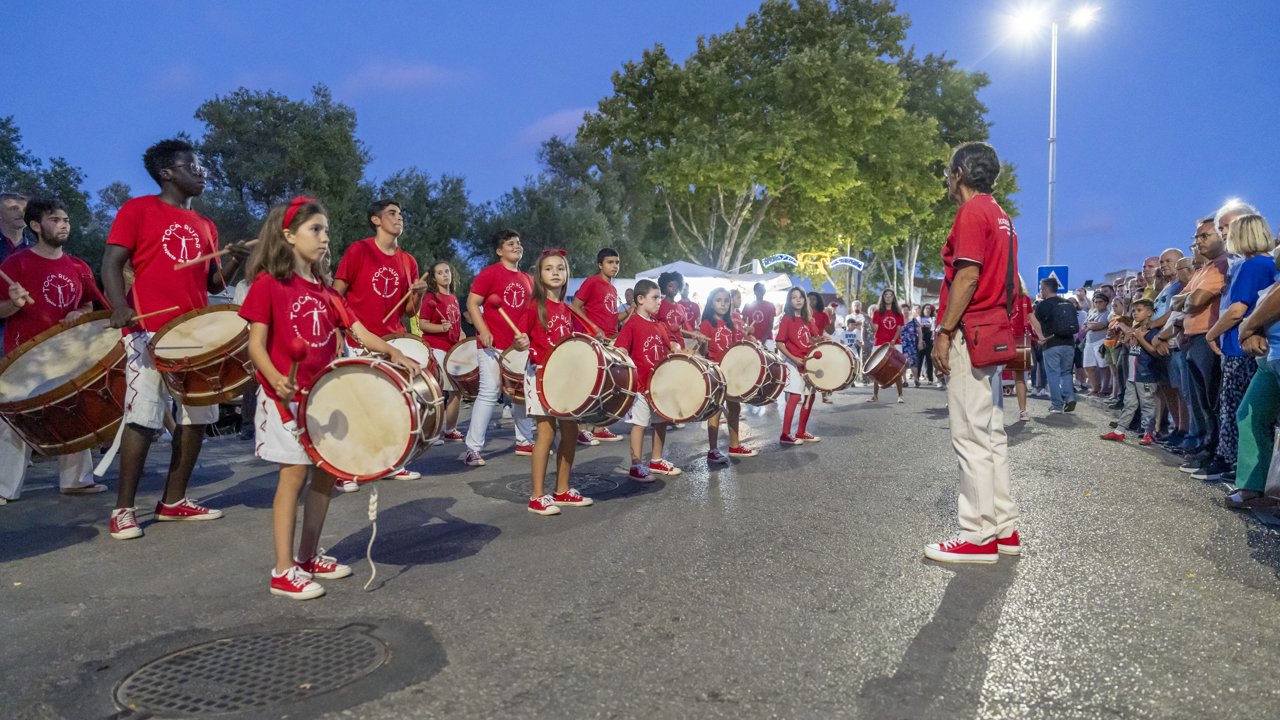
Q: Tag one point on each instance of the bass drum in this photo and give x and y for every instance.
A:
(886, 365)
(462, 365)
(686, 388)
(511, 366)
(203, 355)
(416, 350)
(586, 380)
(753, 375)
(830, 367)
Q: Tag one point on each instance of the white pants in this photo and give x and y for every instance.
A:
(642, 416)
(75, 470)
(486, 399)
(146, 393)
(446, 382)
(986, 509)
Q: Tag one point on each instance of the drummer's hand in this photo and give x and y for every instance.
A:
(418, 286)
(73, 316)
(239, 250)
(521, 342)
(485, 338)
(409, 364)
(941, 347)
(18, 295)
(446, 325)
(285, 388)
(121, 316)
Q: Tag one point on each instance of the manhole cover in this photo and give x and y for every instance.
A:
(586, 484)
(251, 672)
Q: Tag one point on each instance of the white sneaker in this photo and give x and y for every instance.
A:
(347, 486)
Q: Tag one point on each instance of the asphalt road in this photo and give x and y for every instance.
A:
(791, 585)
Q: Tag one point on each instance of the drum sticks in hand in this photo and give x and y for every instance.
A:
(407, 295)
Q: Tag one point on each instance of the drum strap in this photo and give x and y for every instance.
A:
(344, 320)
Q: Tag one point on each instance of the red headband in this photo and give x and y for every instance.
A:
(553, 251)
(294, 205)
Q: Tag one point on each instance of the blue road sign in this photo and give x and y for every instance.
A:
(1057, 272)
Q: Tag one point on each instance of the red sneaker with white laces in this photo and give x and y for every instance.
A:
(1146, 440)
(184, 510)
(742, 452)
(662, 467)
(572, 498)
(543, 506)
(124, 524)
(1113, 436)
(585, 438)
(788, 440)
(961, 551)
(807, 437)
(606, 435)
(325, 567)
(295, 584)
(640, 474)
(524, 449)
(453, 436)
(1010, 545)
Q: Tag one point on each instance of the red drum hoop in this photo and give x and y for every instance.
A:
(218, 369)
(886, 365)
(586, 380)
(754, 375)
(830, 367)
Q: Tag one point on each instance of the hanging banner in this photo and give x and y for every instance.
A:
(848, 262)
(779, 258)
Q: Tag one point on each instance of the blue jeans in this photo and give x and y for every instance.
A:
(1180, 378)
(1057, 366)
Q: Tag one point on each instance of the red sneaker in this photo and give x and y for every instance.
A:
(184, 510)
(1146, 440)
(605, 435)
(715, 457)
(473, 459)
(1010, 545)
(453, 436)
(572, 498)
(295, 584)
(1113, 436)
(405, 475)
(662, 467)
(641, 474)
(742, 452)
(957, 550)
(585, 438)
(543, 506)
(524, 449)
(325, 567)
(786, 439)
(807, 437)
(124, 524)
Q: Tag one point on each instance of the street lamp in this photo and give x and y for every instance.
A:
(1026, 21)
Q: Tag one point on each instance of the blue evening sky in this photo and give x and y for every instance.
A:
(1166, 107)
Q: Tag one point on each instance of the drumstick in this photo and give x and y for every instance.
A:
(208, 256)
(403, 299)
(507, 317)
(5, 276)
(136, 318)
(297, 353)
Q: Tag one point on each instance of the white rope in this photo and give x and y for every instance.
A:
(373, 519)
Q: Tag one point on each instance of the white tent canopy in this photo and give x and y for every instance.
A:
(687, 269)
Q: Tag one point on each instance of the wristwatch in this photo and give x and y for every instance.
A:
(944, 331)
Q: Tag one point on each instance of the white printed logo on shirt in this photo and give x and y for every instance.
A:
(386, 282)
(610, 301)
(803, 336)
(59, 291)
(310, 318)
(558, 326)
(653, 349)
(181, 242)
(889, 322)
(515, 296)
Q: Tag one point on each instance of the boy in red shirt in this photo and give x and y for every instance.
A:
(501, 286)
(375, 274)
(157, 234)
(647, 342)
(49, 287)
(597, 298)
(692, 313)
(760, 315)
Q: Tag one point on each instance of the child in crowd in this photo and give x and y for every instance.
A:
(1140, 396)
(795, 340)
(723, 327)
(289, 304)
(647, 342)
(440, 319)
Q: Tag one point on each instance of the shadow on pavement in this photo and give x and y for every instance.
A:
(602, 479)
(942, 672)
(20, 540)
(418, 532)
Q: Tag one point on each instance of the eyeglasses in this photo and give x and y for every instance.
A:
(195, 167)
(1201, 236)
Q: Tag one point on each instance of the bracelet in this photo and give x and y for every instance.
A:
(944, 331)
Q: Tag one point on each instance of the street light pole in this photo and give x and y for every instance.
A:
(1053, 135)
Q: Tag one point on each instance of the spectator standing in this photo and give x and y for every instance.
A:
(924, 359)
(1260, 408)
(1058, 325)
(1095, 327)
(1200, 302)
(1141, 394)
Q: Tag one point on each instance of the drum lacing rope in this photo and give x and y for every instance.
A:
(373, 535)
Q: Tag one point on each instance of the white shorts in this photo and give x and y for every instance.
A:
(274, 441)
(795, 380)
(1092, 355)
(533, 403)
(641, 415)
(146, 394)
(446, 382)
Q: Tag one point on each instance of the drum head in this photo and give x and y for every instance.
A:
(515, 361)
(570, 374)
(413, 348)
(831, 371)
(741, 367)
(358, 420)
(57, 360)
(200, 334)
(877, 358)
(462, 358)
(678, 388)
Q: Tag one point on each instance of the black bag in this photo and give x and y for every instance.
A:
(1063, 320)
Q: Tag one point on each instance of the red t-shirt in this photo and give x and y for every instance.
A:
(672, 315)
(543, 338)
(887, 325)
(795, 335)
(375, 282)
(648, 342)
(295, 308)
(691, 313)
(56, 287)
(510, 290)
(739, 322)
(600, 303)
(434, 307)
(722, 336)
(761, 314)
(159, 236)
(981, 233)
(1019, 321)
(820, 320)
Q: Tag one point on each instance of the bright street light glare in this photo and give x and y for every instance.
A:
(1084, 16)
(1026, 20)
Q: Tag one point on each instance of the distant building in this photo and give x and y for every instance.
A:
(1115, 276)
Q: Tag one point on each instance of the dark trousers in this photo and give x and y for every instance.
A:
(1039, 378)
(1206, 378)
(924, 358)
